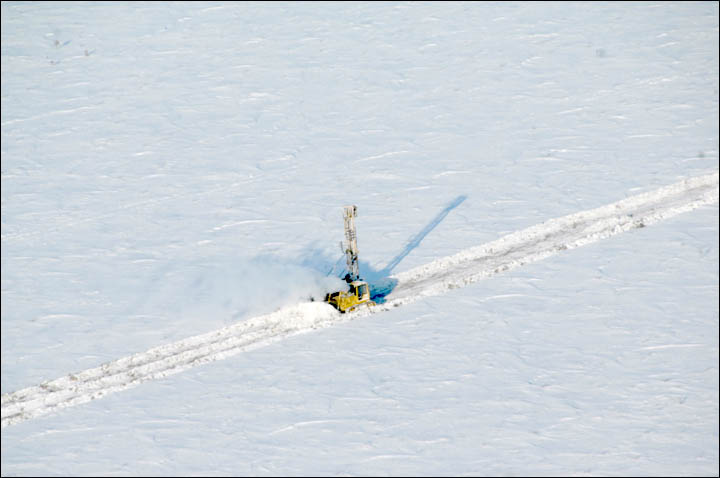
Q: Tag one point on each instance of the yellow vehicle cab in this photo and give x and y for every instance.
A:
(358, 294)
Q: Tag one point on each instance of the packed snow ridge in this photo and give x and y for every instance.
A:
(511, 251)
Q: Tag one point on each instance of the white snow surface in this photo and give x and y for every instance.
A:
(172, 180)
(512, 251)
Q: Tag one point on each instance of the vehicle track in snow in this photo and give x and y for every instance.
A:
(468, 266)
(554, 236)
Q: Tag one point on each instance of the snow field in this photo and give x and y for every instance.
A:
(171, 170)
(530, 245)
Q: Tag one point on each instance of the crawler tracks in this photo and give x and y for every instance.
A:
(514, 250)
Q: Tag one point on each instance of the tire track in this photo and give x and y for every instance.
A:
(554, 236)
(509, 252)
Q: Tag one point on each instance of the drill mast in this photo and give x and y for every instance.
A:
(350, 247)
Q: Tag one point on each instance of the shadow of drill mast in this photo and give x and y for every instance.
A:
(415, 241)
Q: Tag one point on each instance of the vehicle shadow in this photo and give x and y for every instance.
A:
(381, 284)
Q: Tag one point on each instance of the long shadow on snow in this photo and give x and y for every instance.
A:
(381, 284)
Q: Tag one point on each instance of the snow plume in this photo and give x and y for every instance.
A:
(234, 288)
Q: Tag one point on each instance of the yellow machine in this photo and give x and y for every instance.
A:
(358, 293)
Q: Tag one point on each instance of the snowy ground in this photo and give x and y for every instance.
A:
(171, 169)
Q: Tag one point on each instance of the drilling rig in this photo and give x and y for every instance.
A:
(358, 293)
